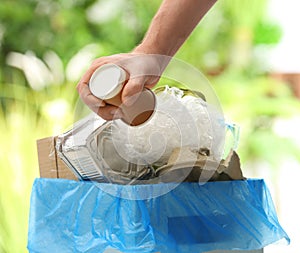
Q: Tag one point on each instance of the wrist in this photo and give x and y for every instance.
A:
(153, 57)
(143, 49)
(152, 48)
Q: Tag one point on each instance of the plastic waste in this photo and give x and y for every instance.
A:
(118, 153)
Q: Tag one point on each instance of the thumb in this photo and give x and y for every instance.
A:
(132, 89)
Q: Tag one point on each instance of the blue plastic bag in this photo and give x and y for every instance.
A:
(69, 216)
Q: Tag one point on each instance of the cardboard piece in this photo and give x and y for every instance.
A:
(197, 165)
(50, 164)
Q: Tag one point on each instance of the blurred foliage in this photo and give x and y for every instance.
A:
(45, 45)
(255, 104)
(227, 36)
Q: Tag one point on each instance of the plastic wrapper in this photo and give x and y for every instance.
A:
(181, 118)
(69, 216)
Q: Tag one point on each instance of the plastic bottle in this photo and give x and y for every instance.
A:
(107, 83)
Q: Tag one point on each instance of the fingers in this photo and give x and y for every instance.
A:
(110, 112)
(105, 111)
(132, 90)
(143, 72)
(88, 98)
(83, 89)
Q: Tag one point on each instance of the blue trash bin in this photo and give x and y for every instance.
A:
(70, 216)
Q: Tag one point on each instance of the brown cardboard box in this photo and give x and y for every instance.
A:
(50, 164)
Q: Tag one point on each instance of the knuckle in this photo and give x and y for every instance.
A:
(78, 88)
(104, 116)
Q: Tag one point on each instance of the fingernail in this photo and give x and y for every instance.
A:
(102, 104)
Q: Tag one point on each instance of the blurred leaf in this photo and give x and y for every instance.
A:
(266, 146)
(267, 33)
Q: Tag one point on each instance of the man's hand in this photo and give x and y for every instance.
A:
(143, 71)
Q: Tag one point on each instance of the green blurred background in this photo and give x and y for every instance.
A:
(46, 45)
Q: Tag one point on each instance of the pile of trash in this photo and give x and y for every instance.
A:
(184, 140)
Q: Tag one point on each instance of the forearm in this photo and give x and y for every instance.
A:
(172, 24)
